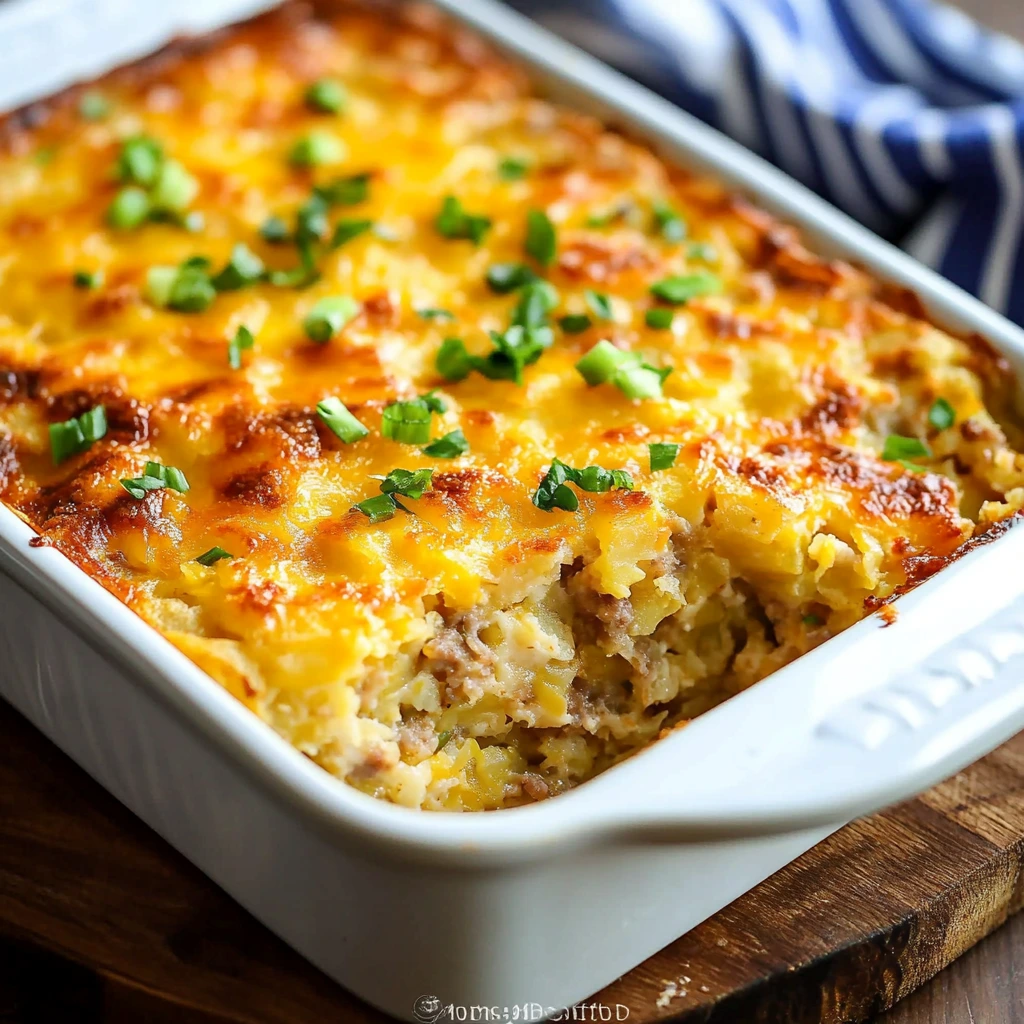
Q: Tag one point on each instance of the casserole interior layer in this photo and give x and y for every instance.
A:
(829, 447)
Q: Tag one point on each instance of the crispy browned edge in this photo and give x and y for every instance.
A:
(20, 122)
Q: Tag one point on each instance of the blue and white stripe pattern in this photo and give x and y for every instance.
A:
(905, 113)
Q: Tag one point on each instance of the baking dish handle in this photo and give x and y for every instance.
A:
(884, 746)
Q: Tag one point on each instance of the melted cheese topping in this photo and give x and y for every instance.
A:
(476, 652)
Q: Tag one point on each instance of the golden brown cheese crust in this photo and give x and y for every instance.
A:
(480, 652)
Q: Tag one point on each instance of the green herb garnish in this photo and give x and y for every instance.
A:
(129, 209)
(574, 323)
(512, 168)
(328, 316)
(903, 450)
(554, 491)
(541, 238)
(659, 318)
(242, 340)
(663, 455)
(669, 222)
(88, 279)
(408, 422)
(507, 277)
(339, 420)
(941, 415)
(275, 231)
(326, 96)
(450, 446)
(347, 191)
(185, 289)
(316, 149)
(405, 482)
(347, 229)
(215, 554)
(680, 289)
(243, 268)
(154, 478)
(173, 190)
(605, 363)
(454, 222)
(435, 314)
(78, 434)
(600, 304)
(139, 161)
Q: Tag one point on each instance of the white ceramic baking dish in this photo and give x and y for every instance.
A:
(534, 908)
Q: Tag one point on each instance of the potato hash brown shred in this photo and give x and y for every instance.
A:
(451, 643)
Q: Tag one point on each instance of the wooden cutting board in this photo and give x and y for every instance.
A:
(101, 920)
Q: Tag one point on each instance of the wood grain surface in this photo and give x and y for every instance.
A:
(839, 935)
(101, 921)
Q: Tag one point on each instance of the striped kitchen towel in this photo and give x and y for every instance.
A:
(905, 113)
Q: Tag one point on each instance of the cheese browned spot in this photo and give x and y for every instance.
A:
(471, 651)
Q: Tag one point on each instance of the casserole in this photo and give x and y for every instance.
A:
(523, 862)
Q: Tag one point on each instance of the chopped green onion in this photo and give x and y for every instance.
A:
(328, 317)
(185, 289)
(663, 455)
(512, 168)
(139, 161)
(346, 230)
(242, 269)
(604, 363)
(941, 415)
(669, 222)
(507, 277)
(443, 738)
(450, 446)
(45, 155)
(541, 239)
(680, 289)
(93, 106)
(436, 314)
(242, 340)
(77, 434)
(174, 188)
(88, 279)
(659, 318)
(407, 482)
(812, 620)
(901, 449)
(326, 96)
(434, 402)
(453, 362)
(155, 477)
(536, 301)
(600, 304)
(215, 554)
(311, 223)
(454, 222)
(129, 209)
(316, 149)
(339, 420)
(514, 350)
(348, 191)
(554, 492)
(408, 422)
(377, 509)
(575, 323)
(275, 231)
(601, 363)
